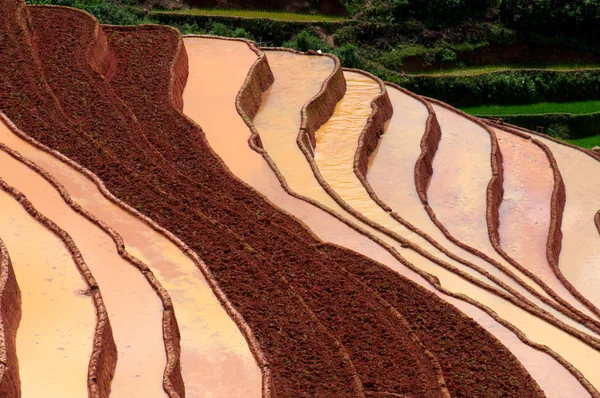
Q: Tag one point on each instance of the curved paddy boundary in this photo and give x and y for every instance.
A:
(98, 158)
(10, 317)
(103, 358)
(233, 313)
(257, 348)
(170, 327)
(558, 201)
(351, 285)
(378, 276)
(494, 199)
(373, 129)
(381, 113)
(101, 61)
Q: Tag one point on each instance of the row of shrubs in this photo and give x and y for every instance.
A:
(107, 12)
(560, 125)
(547, 17)
(503, 88)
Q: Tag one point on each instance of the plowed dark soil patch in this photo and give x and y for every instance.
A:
(355, 316)
(298, 300)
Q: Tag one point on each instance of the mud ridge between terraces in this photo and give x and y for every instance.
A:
(516, 298)
(103, 358)
(36, 95)
(323, 348)
(557, 204)
(170, 327)
(101, 150)
(10, 317)
(101, 60)
(494, 198)
(423, 172)
(319, 288)
(147, 221)
(381, 278)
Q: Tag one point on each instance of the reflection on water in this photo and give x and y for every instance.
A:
(580, 255)
(133, 307)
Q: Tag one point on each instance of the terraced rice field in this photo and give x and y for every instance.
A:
(196, 216)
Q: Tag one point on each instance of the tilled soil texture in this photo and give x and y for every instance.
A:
(320, 365)
(339, 301)
(302, 353)
(511, 378)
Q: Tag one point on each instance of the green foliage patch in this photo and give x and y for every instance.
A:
(278, 15)
(107, 12)
(580, 107)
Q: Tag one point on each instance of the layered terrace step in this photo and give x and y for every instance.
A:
(280, 80)
(133, 306)
(578, 256)
(56, 334)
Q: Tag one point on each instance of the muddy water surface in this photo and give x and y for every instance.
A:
(580, 255)
(133, 307)
(525, 209)
(391, 175)
(212, 346)
(291, 162)
(55, 336)
(458, 188)
(250, 166)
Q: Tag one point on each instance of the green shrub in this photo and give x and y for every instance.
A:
(306, 41)
(559, 131)
(106, 11)
(509, 87)
(219, 29)
(349, 56)
(241, 33)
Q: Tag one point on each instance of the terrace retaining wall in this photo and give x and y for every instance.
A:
(10, 317)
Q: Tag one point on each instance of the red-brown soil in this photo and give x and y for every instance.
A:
(320, 328)
(10, 316)
(364, 329)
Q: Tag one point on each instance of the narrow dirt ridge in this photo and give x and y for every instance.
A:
(104, 353)
(326, 100)
(493, 193)
(554, 244)
(10, 316)
(128, 280)
(293, 230)
(377, 374)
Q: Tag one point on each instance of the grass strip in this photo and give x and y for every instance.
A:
(279, 15)
(575, 108)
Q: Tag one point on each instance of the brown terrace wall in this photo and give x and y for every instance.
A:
(10, 317)
(495, 193)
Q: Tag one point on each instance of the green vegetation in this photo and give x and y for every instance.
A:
(468, 53)
(588, 142)
(106, 11)
(278, 15)
(539, 108)
(482, 70)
